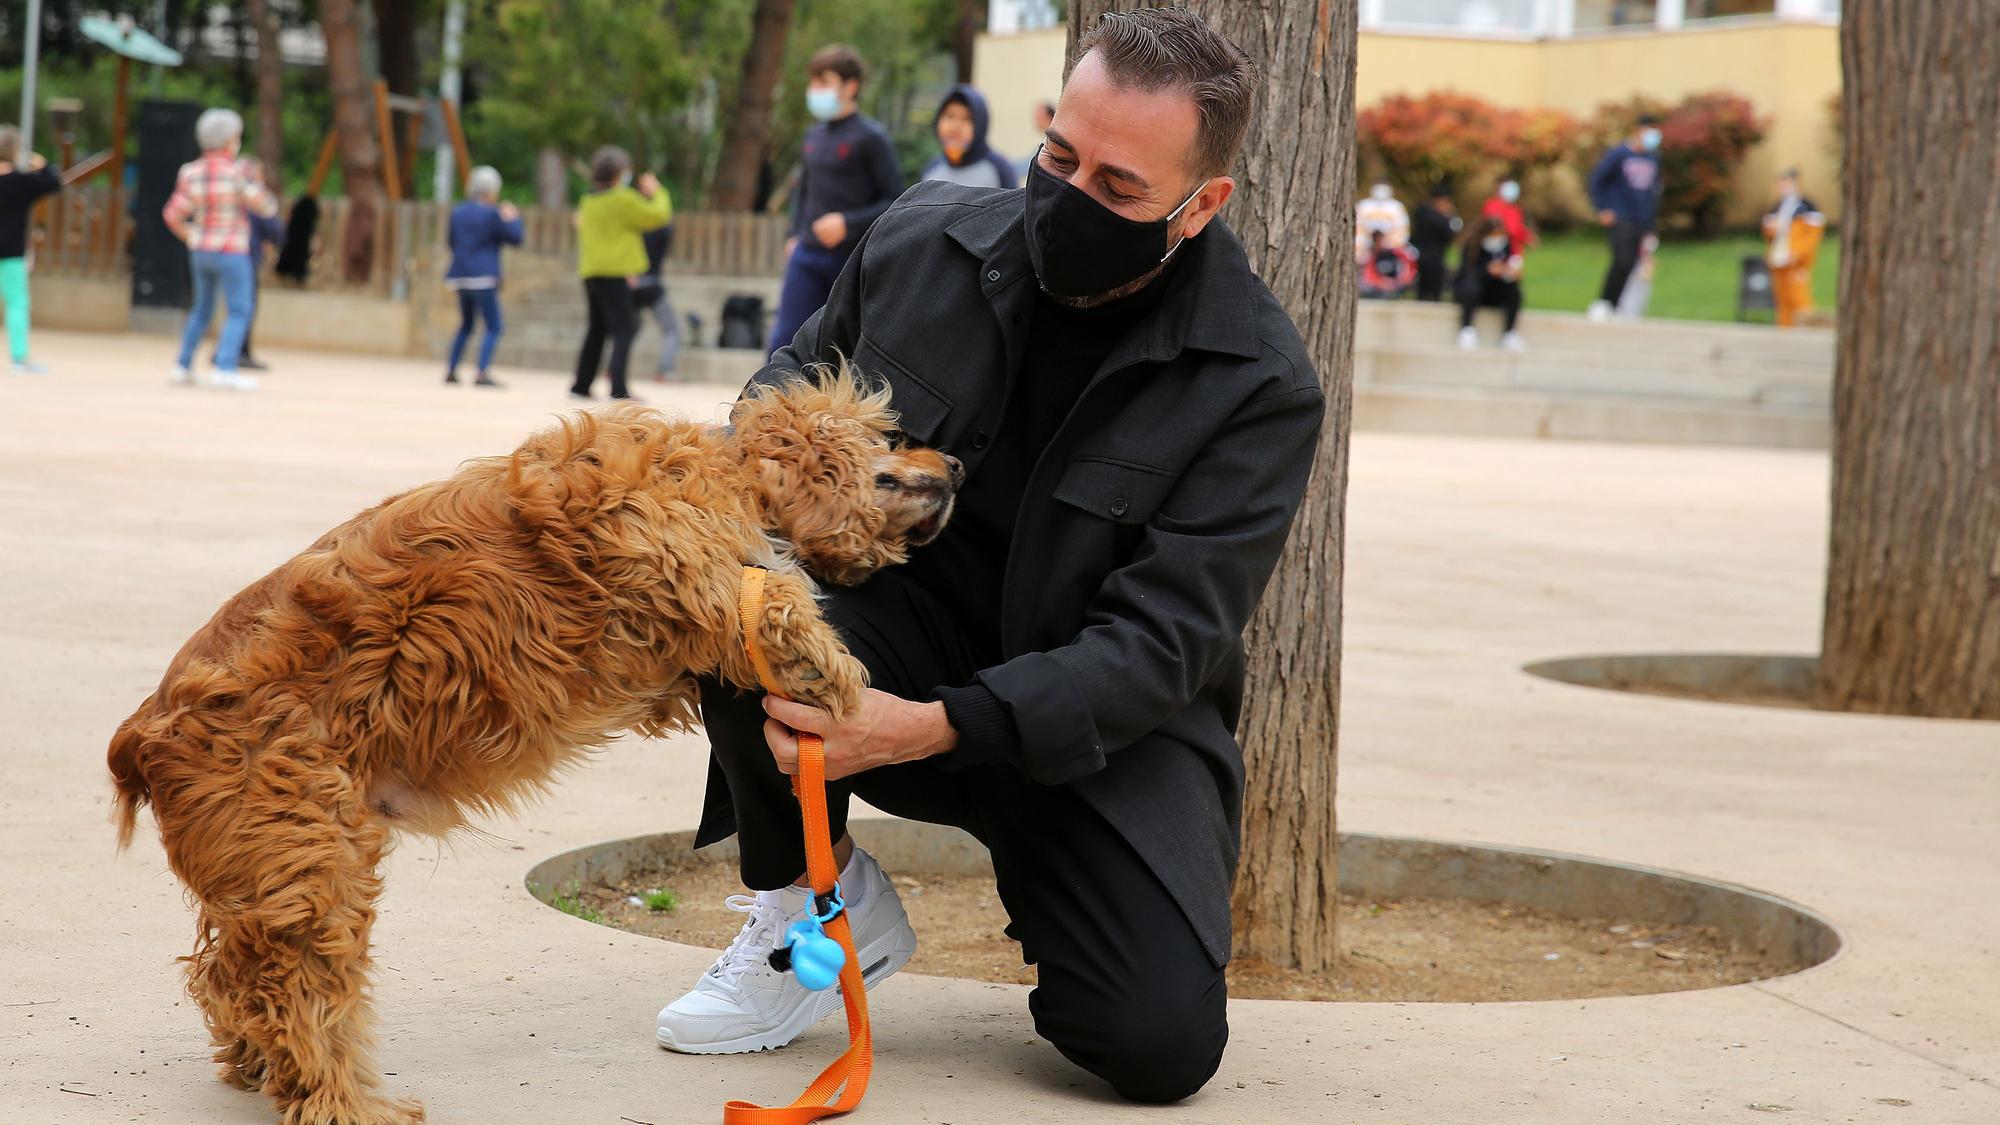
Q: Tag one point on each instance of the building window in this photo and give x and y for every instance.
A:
(1593, 15)
(1461, 15)
(1718, 9)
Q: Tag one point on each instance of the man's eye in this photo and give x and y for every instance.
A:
(890, 483)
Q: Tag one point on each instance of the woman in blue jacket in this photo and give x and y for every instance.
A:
(963, 156)
(478, 227)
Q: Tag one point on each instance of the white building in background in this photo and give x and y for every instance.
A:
(1561, 19)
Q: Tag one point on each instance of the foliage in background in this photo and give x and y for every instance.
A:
(1447, 137)
(1703, 140)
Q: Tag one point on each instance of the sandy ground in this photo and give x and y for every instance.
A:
(129, 511)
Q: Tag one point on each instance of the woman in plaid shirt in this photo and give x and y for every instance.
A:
(210, 211)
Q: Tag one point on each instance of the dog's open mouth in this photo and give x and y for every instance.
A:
(928, 528)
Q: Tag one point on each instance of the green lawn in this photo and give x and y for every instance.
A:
(1695, 280)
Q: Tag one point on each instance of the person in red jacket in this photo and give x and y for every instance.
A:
(1505, 205)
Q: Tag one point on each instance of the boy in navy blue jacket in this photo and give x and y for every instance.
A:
(1625, 189)
(847, 178)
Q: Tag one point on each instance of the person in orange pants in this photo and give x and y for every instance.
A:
(1792, 232)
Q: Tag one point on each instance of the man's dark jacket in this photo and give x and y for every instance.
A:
(1149, 526)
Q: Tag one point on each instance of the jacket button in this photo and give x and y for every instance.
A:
(992, 275)
(1118, 506)
(979, 439)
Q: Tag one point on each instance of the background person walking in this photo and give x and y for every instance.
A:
(1794, 229)
(611, 257)
(479, 227)
(1625, 188)
(210, 210)
(24, 178)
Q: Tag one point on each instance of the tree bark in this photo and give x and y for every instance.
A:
(396, 47)
(354, 121)
(551, 179)
(270, 95)
(1913, 574)
(1294, 211)
(749, 129)
(971, 17)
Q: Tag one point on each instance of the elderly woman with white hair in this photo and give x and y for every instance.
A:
(210, 211)
(479, 226)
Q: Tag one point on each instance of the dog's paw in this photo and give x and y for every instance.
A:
(369, 1111)
(242, 1065)
(835, 688)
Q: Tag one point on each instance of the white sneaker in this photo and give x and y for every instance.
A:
(1599, 312)
(1468, 338)
(29, 367)
(1513, 342)
(742, 1004)
(233, 381)
(181, 377)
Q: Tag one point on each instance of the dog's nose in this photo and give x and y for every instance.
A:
(957, 468)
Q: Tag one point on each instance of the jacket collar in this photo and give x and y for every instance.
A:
(1213, 309)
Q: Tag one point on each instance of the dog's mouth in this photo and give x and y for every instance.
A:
(931, 526)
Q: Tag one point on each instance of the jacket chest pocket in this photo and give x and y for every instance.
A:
(1123, 492)
(921, 409)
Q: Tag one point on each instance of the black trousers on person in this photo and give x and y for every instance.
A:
(1430, 275)
(1625, 240)
(1126, 990)
(611, 314)
(1493, 293)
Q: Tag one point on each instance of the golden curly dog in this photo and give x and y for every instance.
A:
(450, 650)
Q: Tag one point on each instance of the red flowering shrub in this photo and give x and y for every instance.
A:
(1703, 141)
(1417, 142)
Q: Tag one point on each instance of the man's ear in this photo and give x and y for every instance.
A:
(1207, 202)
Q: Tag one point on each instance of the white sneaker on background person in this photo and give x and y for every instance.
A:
(1468, 338)
(181, 377)
(743, 1004)
(1514, 342)
(29, 367)
(1599, 312)
(233, 381)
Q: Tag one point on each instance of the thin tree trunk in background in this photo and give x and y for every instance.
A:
(1294, 211)
(551, 179)
(749, 128)
(1913, 574)
(396, 47)
(270, 95)
(354, 121)
(971, 17)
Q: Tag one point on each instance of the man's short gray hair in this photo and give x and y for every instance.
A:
(1154, 49)
(483, 183)
(215, 128)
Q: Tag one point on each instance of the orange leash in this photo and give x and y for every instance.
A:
(847, 1077)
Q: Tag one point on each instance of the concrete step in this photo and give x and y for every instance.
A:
(1593, 374)
(1522, 413)
(729, 367)
(1397, 323)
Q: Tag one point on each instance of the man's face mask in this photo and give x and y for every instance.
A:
(1649, 139)
(1510, 191)
(1494, 245)
(823, 102)
(1081, 248)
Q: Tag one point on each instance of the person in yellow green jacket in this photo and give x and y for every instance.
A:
(611, 258)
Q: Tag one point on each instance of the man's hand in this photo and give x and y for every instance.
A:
(886, 730)
(36, 162)
(647, 184)
(830, 229)
(509, 212)
(1607, 218)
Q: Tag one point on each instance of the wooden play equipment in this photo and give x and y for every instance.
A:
(396, 157)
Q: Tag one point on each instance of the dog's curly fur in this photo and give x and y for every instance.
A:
(447, 652)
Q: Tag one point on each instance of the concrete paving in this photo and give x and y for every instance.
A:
(129, 511)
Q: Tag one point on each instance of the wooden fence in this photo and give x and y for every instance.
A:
(81, 232)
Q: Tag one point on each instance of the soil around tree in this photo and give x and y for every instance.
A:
(1452, 950)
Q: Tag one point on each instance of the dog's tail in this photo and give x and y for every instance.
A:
(126, 759)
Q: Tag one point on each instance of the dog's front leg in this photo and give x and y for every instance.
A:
(805, 655)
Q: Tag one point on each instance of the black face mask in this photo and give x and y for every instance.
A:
(1080, 247)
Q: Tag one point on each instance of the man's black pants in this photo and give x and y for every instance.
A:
(611, 313)
(1625, 240)
(1126, 990)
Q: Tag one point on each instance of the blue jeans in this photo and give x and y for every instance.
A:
(234, 275)
(473, 304)
(809, 275)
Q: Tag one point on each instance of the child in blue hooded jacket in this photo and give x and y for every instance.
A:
(964, 157)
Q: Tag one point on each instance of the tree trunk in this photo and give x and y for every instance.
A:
(749, 127)
(396, 46)
(971, 17)
(354, 121)
(1294, 211)
(270, 95)
(551, 179)
(1913, 574)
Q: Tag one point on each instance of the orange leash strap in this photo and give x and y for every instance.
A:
(847, 1077)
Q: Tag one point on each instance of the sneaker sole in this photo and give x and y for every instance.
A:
(880, 961)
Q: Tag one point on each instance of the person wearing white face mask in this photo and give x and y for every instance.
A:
(1379, 211)
(848, 176)
(1625, 188)
(1489, 274)
(1505, 205)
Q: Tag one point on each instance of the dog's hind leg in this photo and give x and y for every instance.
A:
(239, 1062)
(300, 949)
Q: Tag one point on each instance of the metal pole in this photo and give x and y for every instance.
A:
(444, 178)
(29, 64)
